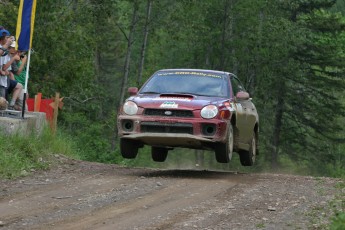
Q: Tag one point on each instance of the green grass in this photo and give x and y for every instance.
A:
(338, 220)
(19, 154)
(260, 225)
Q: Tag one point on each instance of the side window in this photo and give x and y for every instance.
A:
(236, 85)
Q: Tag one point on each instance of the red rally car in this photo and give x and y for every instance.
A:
(190, 108)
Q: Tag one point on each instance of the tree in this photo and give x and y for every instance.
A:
(302, 97)
(143, 49)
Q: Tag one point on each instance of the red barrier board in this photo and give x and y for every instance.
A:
(45, 107)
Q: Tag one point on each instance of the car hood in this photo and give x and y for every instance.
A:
(175, 101)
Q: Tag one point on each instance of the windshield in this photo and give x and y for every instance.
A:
(188, 82)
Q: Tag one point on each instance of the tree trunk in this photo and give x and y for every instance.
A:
(277, 125)
(232, 49)
(143, 48)
(97, 64)
(126, 67)
(227, 6)
(128, 55)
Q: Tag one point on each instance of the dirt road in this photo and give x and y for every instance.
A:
(84, 195)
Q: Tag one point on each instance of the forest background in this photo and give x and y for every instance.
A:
(290, 55)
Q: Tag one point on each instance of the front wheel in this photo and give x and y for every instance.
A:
(128, 148)
(224, 151)
(159, 154)
(247, 158)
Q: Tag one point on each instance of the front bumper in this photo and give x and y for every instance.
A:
(195, 133)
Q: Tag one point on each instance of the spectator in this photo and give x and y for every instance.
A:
(3, 48)
(19, 68)
(7, 84)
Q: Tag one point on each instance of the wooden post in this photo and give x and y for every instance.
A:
(56, 111)
(37, 105)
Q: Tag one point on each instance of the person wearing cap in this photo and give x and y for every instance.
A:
(4, 47)
(19, 68)
(7, 84)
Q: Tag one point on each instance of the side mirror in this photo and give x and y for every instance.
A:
(132, 91)
(242, 95)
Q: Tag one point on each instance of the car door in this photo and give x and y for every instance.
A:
(245, 112)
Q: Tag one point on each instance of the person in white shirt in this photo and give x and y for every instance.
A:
(7, 84)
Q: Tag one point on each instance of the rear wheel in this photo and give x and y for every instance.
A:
(224, 150)
(159, 154)
(128, 148)
(247, 158)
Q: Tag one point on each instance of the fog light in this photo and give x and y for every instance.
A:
(208, 129)
(127, 125)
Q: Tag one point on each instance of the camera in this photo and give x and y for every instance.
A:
(22, 55)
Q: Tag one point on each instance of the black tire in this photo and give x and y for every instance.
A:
(159, 154)
(247, 158)
(224, 151)
(128, 148)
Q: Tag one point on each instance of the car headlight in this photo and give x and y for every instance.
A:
(209, 111)
(130, 108)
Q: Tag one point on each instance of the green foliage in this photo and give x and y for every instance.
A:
(289, 54)
(20, 154)
(8, 15)
(89, 135)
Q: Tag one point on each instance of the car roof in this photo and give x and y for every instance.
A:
(203, 70)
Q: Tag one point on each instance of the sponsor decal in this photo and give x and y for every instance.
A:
(173, 98)
(169, 104)
(200, 74)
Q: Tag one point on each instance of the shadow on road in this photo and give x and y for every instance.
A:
(190, 173)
